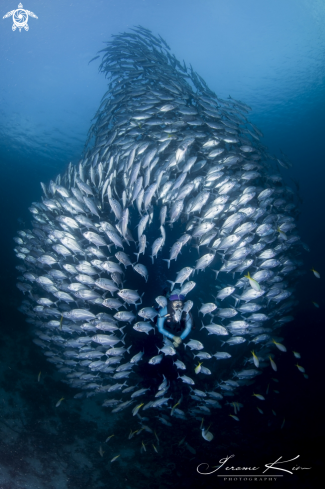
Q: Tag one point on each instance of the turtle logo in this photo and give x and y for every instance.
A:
(20, 18)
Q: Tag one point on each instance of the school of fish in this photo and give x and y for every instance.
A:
(164, 155)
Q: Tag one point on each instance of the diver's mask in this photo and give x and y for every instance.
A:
(177, 307)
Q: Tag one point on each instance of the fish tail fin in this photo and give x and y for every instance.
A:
(202, 325)
(129, 348)
(137, 255)
(168, 261)
(173, 284)
(152, 258)
(123, 339)
(216, 272)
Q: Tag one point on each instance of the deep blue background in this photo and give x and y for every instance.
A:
(269, 54)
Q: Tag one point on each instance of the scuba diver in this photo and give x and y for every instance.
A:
(173, 322)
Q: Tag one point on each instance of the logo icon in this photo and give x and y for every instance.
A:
(20, 18)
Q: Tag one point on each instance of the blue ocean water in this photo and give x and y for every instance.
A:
(268, 55)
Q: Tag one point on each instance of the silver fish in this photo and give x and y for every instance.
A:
(215, 329)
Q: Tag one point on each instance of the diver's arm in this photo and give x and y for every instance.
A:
(188, 327)
(161, 321)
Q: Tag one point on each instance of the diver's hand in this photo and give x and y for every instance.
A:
(177, 341)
